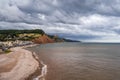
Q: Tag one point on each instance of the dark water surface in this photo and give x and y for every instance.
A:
(77, 61)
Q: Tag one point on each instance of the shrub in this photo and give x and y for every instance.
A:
(7, 51)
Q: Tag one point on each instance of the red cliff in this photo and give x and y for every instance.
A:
(43, 39)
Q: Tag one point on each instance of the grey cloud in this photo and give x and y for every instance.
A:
(79, 19)
(38, 6)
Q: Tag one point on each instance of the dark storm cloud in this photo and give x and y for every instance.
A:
(79, 19)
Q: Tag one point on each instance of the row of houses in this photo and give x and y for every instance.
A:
(9, 44)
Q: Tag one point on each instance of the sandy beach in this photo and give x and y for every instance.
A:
(17, 65)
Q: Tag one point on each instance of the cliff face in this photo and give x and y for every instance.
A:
(50, 39)
(43, 39)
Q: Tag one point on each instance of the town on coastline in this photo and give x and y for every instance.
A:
(9, 44)
(14, 38)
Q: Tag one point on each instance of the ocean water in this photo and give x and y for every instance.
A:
(80, 61)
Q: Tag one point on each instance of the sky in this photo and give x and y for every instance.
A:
(84, 20)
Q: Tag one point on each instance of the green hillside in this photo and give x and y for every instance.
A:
(11, 35)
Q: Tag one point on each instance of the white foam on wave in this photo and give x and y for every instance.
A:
(43, 72)
(44, 69)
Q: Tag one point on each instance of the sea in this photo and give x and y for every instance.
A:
(80, 61)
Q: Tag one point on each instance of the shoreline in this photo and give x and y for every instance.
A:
(40, 73)
(27, 64)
